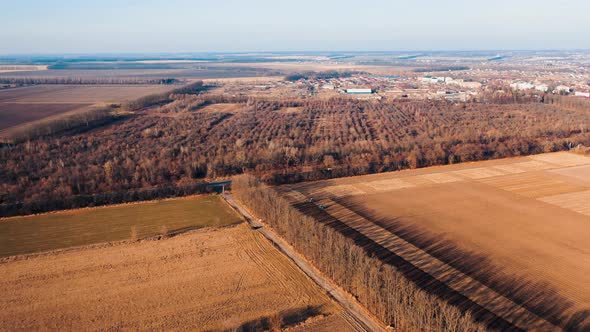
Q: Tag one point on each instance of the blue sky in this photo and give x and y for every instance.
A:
(122, 26)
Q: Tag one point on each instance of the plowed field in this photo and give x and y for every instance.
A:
(511, 235)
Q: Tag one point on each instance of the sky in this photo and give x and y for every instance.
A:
(134, 26)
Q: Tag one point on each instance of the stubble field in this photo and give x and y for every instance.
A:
(511, 235)
(209, 279)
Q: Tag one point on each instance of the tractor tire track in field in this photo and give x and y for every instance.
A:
(356, 316)
(280, 273)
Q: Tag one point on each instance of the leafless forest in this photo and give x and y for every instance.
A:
(171, 141)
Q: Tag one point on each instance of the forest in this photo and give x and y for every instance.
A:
(174, 141)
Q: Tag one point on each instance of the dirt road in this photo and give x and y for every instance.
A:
(208, 279)
(359, 316)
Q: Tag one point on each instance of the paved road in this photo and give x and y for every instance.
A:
(362, 318)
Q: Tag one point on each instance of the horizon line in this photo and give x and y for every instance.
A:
(105, 53)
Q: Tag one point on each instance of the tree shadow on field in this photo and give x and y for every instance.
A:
(420, 278)
(539, 298)
(282, 319)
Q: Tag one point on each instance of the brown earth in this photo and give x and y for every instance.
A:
(291, 110)
(21, 106)
(80, 93)
(527, 218)
(208, 279)
(222, 108)
(13, 114)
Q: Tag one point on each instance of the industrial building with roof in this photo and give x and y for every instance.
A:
(359, 91)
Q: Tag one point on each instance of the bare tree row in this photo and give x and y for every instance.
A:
(382, 288)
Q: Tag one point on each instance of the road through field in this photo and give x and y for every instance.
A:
(358, 315)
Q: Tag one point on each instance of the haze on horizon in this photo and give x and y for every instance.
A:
(134, 26)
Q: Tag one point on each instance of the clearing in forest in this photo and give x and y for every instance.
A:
(222, 108)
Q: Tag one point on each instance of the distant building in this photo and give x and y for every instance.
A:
(457, 96)
(359, 91)
(582, 94)
(561, 89)
(466, 85)
(522, 86)
(542, 87)
(432, 80)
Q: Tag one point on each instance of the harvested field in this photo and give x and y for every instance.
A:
(29, 234)
(80, 93)
(14, 114)
(222, 108)
(27, 104)
(581, 174)
(210, 279)
(575, 201)
(511, 235)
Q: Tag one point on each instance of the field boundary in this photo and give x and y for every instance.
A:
(101, 245)
(87, 208)
(357, 312)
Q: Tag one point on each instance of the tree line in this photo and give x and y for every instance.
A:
(383, 288)
(394, 290)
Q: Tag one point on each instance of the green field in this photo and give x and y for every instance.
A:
(23, 235)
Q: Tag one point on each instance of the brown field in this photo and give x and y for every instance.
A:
(27, 104)
(513, 229)
(291, 110)
(21, 68)
(209, 279)
(79, 93)
(222, 108)
(14, 114)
